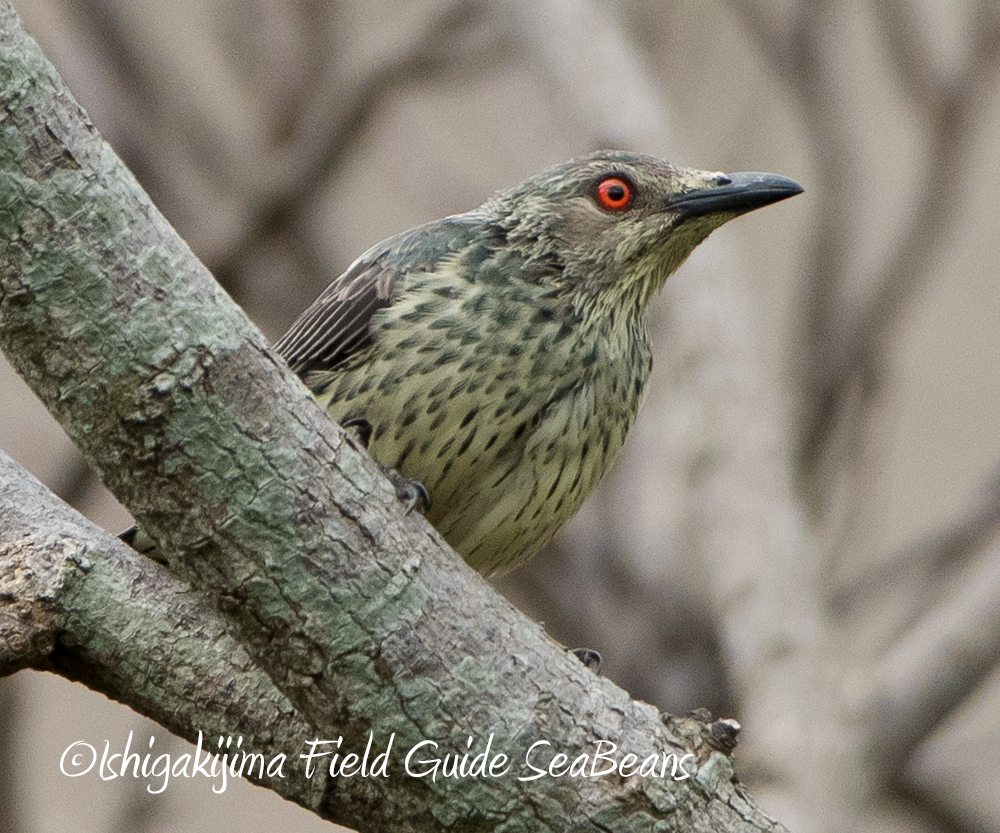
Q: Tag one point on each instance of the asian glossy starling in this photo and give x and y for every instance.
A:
(498, 357)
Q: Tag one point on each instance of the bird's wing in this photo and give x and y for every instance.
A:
(337, 326)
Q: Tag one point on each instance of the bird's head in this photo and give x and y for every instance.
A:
(621, 223)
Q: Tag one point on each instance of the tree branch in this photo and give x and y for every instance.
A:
(77, 602)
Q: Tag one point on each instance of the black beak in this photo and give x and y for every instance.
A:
(735, 194)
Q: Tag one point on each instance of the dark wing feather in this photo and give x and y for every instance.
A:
(337, 325)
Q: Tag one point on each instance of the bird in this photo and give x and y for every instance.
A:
(494, 361)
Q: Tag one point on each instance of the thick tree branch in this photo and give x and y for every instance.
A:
(362, 618)
(77, 602)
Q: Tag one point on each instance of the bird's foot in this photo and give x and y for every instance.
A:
(589, 657)
(362, 429)
(138, 540)
(411, 492)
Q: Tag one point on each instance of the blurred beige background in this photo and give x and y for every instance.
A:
(802, 531)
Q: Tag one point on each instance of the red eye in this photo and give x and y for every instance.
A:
(614, 194)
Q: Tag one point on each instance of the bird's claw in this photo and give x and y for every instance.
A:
(362, 427)
(139, 541)
(411, 492)
(589, 657)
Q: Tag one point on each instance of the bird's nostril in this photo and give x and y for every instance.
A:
(722, 179)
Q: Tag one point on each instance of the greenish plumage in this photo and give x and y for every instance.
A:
(500, 355)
